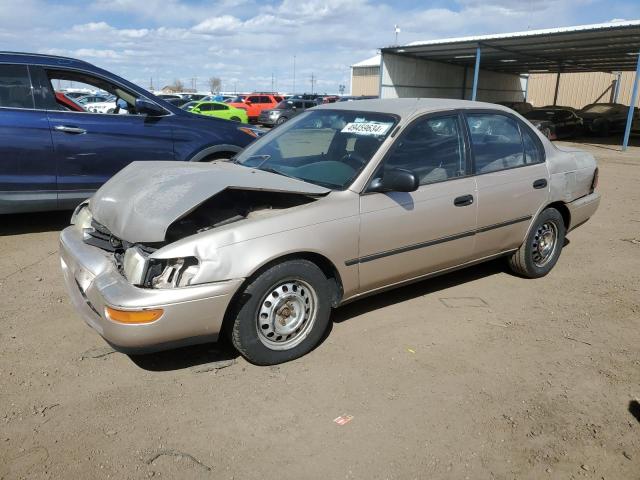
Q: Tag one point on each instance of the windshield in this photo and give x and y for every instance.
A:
(284, 105)
(598, 109)
(189, 105)
(541, 114)
(324, 147)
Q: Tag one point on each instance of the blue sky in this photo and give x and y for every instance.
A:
(246, 42)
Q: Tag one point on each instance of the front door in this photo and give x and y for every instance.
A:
(92, 147)
(512, 180)
(27, 163)
(407, 235)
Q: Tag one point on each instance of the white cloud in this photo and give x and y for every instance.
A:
(245, 41)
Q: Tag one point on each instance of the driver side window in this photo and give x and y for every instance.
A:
(432, 148)
(84, 93)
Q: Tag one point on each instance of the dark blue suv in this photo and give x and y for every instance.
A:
(53, 153)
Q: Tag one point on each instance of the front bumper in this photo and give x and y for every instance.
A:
(267, 120)
(582, 209)
(191, 314)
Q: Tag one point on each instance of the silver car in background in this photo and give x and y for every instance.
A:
(343, 201)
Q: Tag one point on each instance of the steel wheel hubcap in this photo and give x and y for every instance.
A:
(544, 243)
(286, 314)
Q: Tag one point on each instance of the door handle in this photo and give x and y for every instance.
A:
(541, 183)
(463, 201)
(65, 129)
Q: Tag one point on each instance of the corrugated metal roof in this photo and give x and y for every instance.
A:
(369, 62)
(600, 47)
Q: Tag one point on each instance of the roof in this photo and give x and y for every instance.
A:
(369, 62)
(404, 107)
(40, 59)
(609, 46)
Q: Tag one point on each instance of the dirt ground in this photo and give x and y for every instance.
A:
(474, 375)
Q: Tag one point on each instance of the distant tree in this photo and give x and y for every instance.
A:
(177, 86)
(215, 84)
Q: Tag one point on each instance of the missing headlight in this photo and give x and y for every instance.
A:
(171, 273)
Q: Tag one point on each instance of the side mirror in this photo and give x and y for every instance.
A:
(149, 108)
(395, 180)
(122, 105)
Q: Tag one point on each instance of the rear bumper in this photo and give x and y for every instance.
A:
(582, 209)
(191, 314)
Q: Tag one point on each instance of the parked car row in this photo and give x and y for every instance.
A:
(557, 122)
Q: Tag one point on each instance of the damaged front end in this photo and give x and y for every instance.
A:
(135, 260)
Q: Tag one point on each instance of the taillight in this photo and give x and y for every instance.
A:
(249, 131)
(594, 182)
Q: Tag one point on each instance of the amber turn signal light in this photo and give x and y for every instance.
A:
(133, 316)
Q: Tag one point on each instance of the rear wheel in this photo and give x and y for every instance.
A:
(281, 120)
(542, 247)
(235, 119)
(285, 312)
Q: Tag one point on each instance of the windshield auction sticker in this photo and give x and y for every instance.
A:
(367, 128)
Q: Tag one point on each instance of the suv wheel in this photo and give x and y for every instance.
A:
(281, 120)
(285, 314)
(542, 247)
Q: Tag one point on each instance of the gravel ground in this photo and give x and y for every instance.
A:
(477, 374)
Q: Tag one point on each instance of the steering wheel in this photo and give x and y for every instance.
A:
(354, 160)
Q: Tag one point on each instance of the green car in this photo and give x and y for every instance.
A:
(217, 109)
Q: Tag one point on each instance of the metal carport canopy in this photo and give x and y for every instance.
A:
(604, 47)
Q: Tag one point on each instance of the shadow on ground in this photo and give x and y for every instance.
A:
(187, 357)
(419, 289)
(23, 223)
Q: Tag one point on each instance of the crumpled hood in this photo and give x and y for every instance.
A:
(142, 200)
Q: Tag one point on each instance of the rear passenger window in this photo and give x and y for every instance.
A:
(532, 150)
(496, 142)
(15, 87)
(432, 149)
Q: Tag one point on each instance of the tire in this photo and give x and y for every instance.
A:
(535, 259)
(281, 120)
(235, 119)
(278, 295)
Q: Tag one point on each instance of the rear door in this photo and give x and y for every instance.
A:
(92, 147)
(512, 179)
(27, 163)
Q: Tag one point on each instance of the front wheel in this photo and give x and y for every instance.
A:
(281, 120)
(282, 313)
(542, 247)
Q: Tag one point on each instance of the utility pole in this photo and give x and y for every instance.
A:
(294, 75)
(151, 84)
(313, 79)
(396, 28)
(272, 82)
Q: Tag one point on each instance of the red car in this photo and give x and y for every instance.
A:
(255, 103)
(69, 104)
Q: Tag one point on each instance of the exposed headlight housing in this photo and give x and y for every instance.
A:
(171, 273)
(134, 265)
(82, 218)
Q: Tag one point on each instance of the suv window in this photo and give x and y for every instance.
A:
(121, 101)
(264, 99)
(496, 142)
(254, 99)
(432, 148)
(15, 87)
